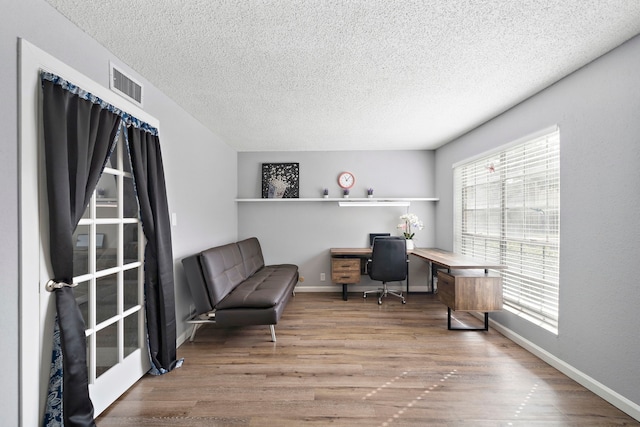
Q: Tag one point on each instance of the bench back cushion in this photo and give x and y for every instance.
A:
(223, 269)
(251, 255)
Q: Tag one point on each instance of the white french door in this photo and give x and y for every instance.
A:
(108, 257)
(109, 273)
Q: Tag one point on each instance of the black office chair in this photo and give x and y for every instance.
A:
(388, 263)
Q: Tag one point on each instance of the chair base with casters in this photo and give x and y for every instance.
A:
(383, 292)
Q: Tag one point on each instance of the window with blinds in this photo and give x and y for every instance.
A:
(507, 210)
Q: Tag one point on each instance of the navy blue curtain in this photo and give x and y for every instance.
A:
(80, 132)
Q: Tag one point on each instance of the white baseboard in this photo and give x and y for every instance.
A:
(183, 337)
(318, 289)
(616, 399)
(355, 288)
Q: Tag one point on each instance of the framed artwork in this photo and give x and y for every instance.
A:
(280, 180)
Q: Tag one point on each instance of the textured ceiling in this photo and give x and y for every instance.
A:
(270, 75)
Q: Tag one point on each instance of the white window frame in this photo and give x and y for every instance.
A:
(507, 210)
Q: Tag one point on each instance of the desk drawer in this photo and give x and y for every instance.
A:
(470, 290)
(345, 270)
(446, 289)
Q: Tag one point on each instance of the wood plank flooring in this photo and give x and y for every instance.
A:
(355, 363)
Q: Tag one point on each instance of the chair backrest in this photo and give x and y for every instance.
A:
(388, 259)
(373, 236)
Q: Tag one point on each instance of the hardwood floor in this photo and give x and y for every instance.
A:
(355, 363)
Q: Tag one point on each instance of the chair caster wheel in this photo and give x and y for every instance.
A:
(404, 302)
(379, 302)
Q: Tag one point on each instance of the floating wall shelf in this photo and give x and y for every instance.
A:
(372, 203)
(353, 201)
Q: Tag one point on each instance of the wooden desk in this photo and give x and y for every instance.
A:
(450, 260)
(467, 290)
(350, 252)
(462, 287)
(446, 259)
(347, 265)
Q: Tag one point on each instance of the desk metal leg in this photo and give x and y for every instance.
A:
(486, 323)
(344, 291)
(407, 279)
(433, 274)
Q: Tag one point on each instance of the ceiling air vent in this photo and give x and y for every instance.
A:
(125, 85)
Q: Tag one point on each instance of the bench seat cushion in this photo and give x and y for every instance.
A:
(266, 288)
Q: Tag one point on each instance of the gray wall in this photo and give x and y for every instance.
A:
(196, 162)
(598, 112)
(302, 232)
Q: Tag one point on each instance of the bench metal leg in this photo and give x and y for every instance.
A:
(193, 331)
(273, 332)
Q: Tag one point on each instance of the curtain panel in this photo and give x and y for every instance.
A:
(78, 138)
(148, 177)
(80, 132)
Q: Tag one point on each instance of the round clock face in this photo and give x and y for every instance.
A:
(346, 180)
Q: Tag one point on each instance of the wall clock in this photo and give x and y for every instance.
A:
(346, 180)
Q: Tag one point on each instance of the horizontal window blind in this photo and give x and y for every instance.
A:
(507, 210)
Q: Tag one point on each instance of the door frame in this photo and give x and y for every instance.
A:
(34, 356)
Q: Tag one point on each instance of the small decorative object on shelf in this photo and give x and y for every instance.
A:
(345, 193)
(409, 223)
(370, 192)
(325, 193)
